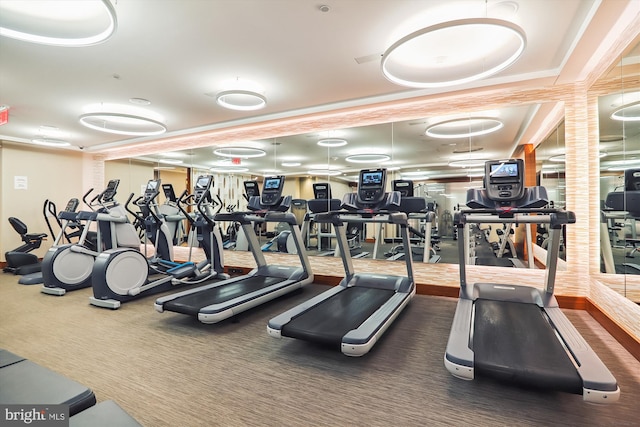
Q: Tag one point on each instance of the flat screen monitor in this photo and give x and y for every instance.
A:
(371, 178)
(203, 182)
(504, 170)
(272, 183)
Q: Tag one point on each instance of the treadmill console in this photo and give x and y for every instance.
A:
(371, 186)
(504, 180)
(403, 186)
(272, 191)
(322, 191)
(110, 192)
(203, 188)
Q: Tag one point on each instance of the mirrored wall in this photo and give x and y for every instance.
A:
(619, 131)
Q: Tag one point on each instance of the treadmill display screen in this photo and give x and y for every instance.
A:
(504, 170)
(373, 179)
(272, 184)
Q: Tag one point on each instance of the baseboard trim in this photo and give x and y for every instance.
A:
(627, 341)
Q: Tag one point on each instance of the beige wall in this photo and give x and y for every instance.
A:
(56, 175)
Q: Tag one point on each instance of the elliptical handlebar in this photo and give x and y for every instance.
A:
(136, 215)
(184, 199)
(199, 206)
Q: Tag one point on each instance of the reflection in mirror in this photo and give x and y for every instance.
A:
(619, 124)
(550, 155)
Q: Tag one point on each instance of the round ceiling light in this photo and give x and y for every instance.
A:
(367, 158)
(242, 100)
(453, 53)
(229, 169)
(50, 142)
(627, 113)
(332, 142)
(58, 23)
(171, 161)
(467, 163)
(122, 124)
(464, 128)
(290, 164)
(324, 172)
(239, 152)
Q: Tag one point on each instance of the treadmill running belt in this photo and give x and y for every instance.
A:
(330, 320)
(514, 342)
(192, 303)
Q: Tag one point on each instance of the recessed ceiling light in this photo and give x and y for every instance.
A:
(139, 101)
(332, 142)
(239, 152)
(290, 164)
(464, 128)
(122, 124)
(453, 53)
(50, 142)
(367, 158)
(58, 23)
(627, 113)
(324, 172)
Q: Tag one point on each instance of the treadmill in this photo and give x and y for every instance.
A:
(517, 333)
(217, 301)
(353, 315)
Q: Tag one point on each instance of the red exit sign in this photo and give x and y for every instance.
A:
(4, 114)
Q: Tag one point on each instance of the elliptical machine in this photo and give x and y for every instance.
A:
(68, 267)
(122, 274)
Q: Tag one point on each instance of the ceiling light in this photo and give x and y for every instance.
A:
(170, 161)
(58, 23)
(467, 163)
(243, 100)
(239, 152)
(414, 173)
(367, 158)
(290, 164)
(453, 53)
(324, 172)
(627, 113)
(464, 128)
(122, 124)
(50, 142)
(332, 142)
(229, 169)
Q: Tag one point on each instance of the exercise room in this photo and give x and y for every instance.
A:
(299, 213)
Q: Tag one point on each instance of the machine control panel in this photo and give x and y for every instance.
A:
(504, 179)
(272, 190)
(322, 191)
(371, 186)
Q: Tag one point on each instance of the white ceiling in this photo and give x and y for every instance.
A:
(175, 52)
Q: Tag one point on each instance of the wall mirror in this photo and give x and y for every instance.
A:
(443, 156)
(619, 132)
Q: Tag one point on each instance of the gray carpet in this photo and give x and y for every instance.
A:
(169, 370)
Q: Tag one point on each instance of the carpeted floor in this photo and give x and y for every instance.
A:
(169, 370)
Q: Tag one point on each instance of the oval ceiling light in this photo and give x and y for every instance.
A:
(367, 158)
(122, 124)
(453, 53)
(50, 142)
(467, 163)
(58, 23)
(242, 100)
(324, 172)
(627, 113)
(228, 169)
(464, 128)
(239, 152)
(290, 164)
(171, 161)
(332, 142)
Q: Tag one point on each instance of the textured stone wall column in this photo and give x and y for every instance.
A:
(581, 173)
